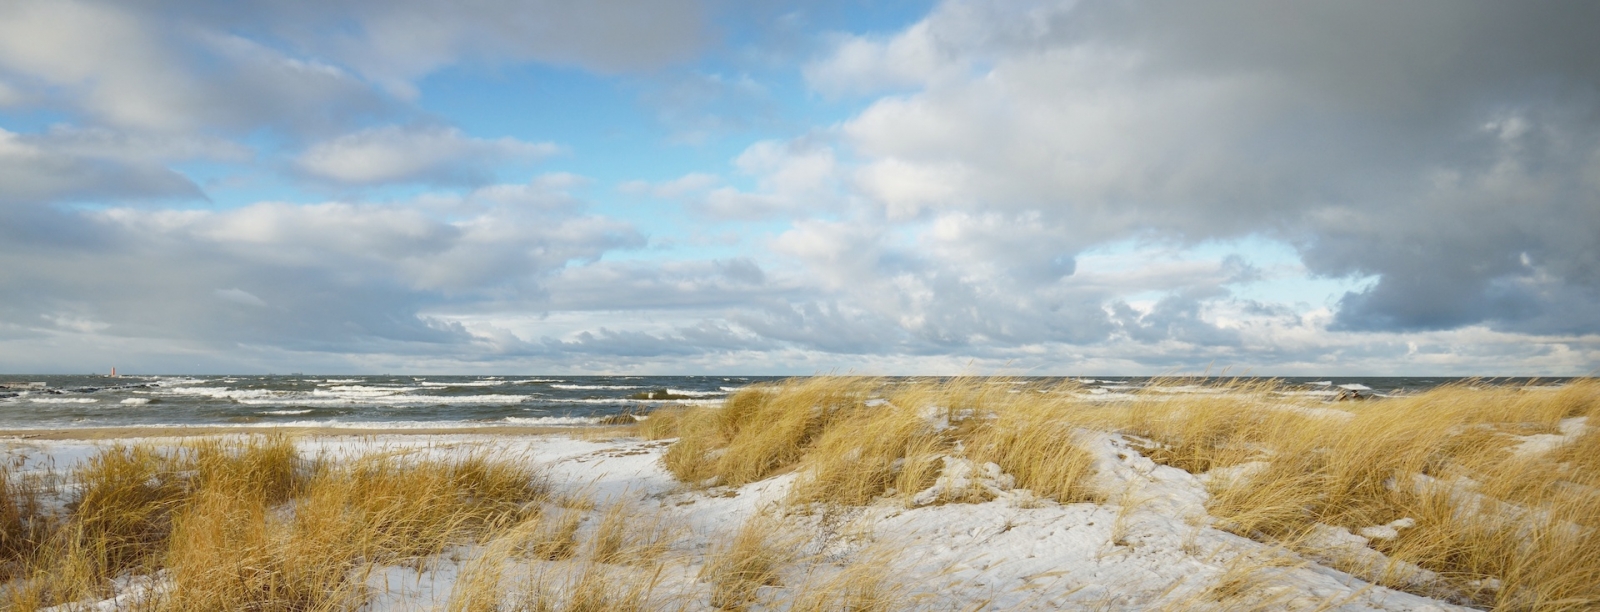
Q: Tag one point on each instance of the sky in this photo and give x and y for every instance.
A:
(1340, 187)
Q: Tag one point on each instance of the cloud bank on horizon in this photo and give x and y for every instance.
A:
(687, 186)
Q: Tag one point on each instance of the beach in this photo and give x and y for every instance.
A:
(978, 532)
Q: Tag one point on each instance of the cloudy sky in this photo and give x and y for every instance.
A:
(686, 186)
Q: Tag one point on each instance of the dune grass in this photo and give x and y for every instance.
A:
(1500, 528)
(1489, 524)
(1484, 494)
(855, 439)
(252, 525)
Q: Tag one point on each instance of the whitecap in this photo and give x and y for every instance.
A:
(393, 400)
(552, 420)
(695, 393)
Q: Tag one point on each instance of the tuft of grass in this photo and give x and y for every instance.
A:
(761, 430)
(24, 524)
(856, 439)
(248, 524)
(752, 559)
(1501, 529)
(628, 535)
(865, 585)
(661, 423)
(866, 453)
(1035, 444)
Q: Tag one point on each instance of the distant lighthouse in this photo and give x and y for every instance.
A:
(113, 371)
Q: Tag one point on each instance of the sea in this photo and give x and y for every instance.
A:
(59, 401)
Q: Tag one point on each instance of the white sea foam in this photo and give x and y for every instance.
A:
(62, 400)
(363, 390)
(179, 380)
(695, 393)
(552, 420)
(136, 401)
(620, 401)
(286, 412)
(471, 383)
(227, 393)
(597, 387)
(396, 400)
(335, 424)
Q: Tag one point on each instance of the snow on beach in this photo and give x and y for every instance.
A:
(1149, 545)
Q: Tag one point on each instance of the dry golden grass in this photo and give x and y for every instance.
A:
(868, 452)
(763, 429)
(1035, 443)
(251, 525)
(633, 536)
(23, 522)
(752, 559)
(856, 439)
(1485, 516)
(1497, 519)
(865, 585)
(539, 565)
(661, 423)
(1499, 527)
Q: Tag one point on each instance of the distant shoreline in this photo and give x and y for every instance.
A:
(116, 433)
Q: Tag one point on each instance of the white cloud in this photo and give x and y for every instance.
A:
(150, 72)
(1436, 167)
(240, 296)
(796, 177)
(9, 96)
(1108, 121)
(393, 154)
(51, 168)
(397, 42)
(686, 185)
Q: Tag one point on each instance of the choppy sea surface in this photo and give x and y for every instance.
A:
(51, 402)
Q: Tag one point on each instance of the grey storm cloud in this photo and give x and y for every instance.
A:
(36, 170)
(1448, 149)
(174, 64)
(432, 154)
(1441, 156)
(332, 277)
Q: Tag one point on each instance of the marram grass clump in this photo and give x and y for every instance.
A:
(1494, 489)
(856, 439)
(250, 524)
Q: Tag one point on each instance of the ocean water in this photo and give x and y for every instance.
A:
(460, 401)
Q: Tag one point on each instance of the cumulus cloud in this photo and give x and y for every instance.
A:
(1441, 148)
(336, 277)
(798, 177)
(154, 70)
(397, 42)
(180, 65)
(431, 154)
(48, 169)
(1060, 183)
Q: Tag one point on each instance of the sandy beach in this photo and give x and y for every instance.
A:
(1130, 517)
(139, 433)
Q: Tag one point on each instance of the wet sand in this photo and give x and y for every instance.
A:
(114, 433)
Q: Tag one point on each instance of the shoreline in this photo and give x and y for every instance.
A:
(136, 431)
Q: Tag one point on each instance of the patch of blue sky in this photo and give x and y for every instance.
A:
(689, 118)
(25, 120)
(1282, 279)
